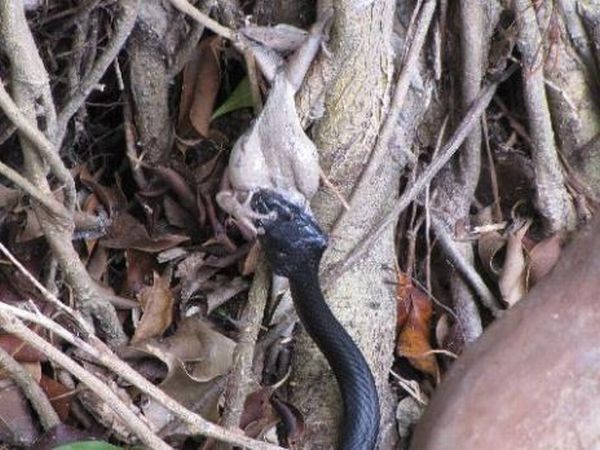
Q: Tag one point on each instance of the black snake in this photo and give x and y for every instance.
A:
(293, 244)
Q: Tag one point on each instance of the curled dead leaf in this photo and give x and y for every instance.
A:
(196, 356)
(201, 82)
(543, 257)
(157, 306)
(489, 247)
(512, 279)
(127, 233)
(414, 327)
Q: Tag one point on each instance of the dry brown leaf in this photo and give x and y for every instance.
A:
(257, 406)
(512, 279)
(179, 185)
(251, 260)
(196, 357)
(199, 396)
(126, 233)
(140, 271)
(193, 273)
(205, 352)
(178, 216)
(59, 395)
(414, 327)
(112, 198)
(201, 82)
(489, 246)
(19, 350)
(292, 419)
(157, 306)
(543, 257)
(18, 425)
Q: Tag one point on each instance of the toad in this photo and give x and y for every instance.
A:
(275, 153)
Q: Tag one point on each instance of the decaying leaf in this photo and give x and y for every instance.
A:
(206, 352)
(140, 271)
(157, 306)
(193, 273)
(489, 247)
(17, 420)
(19, 350)
(59, 395)
(126, 233)
(490, 242)
(414, 327)
(543, 257)
(196, 357)
(201, 82)
(111, 197)
(512, 279)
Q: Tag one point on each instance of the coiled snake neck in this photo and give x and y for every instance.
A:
(293, 244)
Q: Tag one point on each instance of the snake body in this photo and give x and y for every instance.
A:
(293, 244)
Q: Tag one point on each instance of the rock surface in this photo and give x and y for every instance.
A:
(533, 379)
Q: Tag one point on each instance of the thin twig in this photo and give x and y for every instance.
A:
(241, 377)
(462, 131)
(32, 390)
(465, 268)
(52, 205)
(103, 355)
(123, 27)
(214, 26)
(14, 326)
(42, 145)
(49, 296)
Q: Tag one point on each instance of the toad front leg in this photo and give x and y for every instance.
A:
(238, 206)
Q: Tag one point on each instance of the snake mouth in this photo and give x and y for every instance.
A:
(288, 233)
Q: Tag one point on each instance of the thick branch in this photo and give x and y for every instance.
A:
(552, 200)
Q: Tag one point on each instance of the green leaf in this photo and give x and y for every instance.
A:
(88, 445)
(241, 97)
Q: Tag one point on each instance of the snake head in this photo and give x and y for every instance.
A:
(291, 238)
